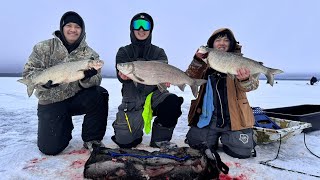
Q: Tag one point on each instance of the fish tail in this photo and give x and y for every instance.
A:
(30, 89)
(270, 75)
(28, 83)
(24, 81)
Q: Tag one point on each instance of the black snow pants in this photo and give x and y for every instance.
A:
(55, 120)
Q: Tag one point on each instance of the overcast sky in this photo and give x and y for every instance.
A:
(283, 34)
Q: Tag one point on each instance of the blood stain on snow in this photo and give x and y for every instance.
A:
(32, 162)
(228, 177)
(81, 151)
(237, 164)
(78, 164)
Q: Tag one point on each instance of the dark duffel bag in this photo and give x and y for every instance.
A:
(173, 163)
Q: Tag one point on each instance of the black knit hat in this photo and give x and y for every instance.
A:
(144, 16)
(71, 16)
(67, 17)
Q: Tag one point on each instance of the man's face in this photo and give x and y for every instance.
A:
(141, 34)
(221, 43)
(71, 32)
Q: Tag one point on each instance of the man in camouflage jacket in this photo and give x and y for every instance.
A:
(58, 104)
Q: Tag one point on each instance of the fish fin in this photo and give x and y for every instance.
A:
(137, 77)
(255, 76)
(194, 89)
(135, 83)
(270, 75)
(196, 83)
(30, 89)
(181, 87)
(162, 87)
(205, 60)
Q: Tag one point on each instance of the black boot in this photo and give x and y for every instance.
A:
(161, 136)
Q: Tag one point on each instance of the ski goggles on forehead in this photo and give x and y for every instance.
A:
(141, 23)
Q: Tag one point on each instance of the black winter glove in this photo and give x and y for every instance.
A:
(89, 73)
(49, 85)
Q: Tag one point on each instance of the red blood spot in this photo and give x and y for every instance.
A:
(237, 164)
(228, 164)
(225, 177)
(78, 164)
(228, 177)
(81, 151)
(242, 177)
(77, 177)
(36, 160)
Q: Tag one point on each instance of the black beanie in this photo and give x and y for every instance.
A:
(67, 17)
(72, 18)
(144, 16)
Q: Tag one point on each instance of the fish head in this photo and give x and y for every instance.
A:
(96, 64)
(203, 49)
(125, 68)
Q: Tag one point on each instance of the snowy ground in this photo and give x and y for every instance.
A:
(21, 159)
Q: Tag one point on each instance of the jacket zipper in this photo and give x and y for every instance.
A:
(220, 102)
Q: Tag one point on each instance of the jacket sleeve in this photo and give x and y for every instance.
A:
(36, 61)
(197, 68)
(163, 56)
(249, 85)
(94, 80)
(121, 57)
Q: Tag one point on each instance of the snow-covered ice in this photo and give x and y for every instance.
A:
(21, 159)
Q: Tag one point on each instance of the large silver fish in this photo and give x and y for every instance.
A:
(159, 73)
(61, 74)
(228, 63)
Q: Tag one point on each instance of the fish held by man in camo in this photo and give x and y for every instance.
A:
(63, 73)
(159, 73)
(228, 63)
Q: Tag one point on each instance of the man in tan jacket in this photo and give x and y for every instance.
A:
(232, 118)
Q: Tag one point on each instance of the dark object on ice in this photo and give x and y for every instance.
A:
(305, 113)
(175, 163)
(313, 80)
(262, 120)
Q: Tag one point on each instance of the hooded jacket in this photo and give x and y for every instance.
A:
(142, 51)
(51, 52)
(241, 115)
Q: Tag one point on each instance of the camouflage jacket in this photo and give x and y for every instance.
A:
(241, 115)
(51, 52)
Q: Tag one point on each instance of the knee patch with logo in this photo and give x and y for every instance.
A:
(238, 144)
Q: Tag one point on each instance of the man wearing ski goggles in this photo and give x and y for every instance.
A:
(141, 23)
(129, 123)
(141, 28)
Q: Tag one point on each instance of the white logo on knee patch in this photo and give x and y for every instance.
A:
(244, 138)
